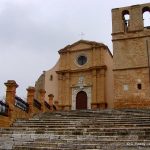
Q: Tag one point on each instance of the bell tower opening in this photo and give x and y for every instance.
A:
(126, 18)
(146, 16)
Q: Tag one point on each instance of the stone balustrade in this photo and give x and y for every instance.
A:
(16, 108)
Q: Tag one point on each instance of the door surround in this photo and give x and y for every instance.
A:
(76, 90)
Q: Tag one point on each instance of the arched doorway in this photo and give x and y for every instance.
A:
(81, 100)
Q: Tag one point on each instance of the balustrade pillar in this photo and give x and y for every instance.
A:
(51, 96)
(30, 99)
(42, 99)
(11, 86)
(56, 103)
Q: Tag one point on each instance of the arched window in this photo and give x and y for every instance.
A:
(51, 77)
(146, 16)
(126, 18)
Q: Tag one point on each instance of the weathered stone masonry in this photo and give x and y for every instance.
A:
(131, 46)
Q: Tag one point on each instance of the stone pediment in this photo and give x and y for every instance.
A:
(81, 45)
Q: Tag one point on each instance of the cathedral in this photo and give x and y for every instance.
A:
(82, 78)
(87, 76)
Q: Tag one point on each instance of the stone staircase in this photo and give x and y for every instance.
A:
(77, 130)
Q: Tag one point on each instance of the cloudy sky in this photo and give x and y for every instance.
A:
(32, 31)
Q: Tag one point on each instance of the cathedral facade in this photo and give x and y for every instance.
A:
(82, 78)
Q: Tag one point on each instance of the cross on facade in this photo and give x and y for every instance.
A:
(82, 35)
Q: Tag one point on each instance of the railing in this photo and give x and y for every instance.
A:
(47, 105)
(37, 104)
(147, 27)
(15, 107)
(20, 103)
(54, 107)
(50, 107)
(3, 109)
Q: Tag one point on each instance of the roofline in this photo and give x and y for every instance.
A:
(65, 49)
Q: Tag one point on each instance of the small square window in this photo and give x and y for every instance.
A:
(139, 86)
(125, 87)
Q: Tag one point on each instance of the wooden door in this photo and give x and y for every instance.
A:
(81, 100)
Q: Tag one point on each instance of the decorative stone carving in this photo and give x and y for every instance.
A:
(80, 82)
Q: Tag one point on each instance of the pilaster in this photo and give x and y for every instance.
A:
(94, 91)
(60, 77)
(67, 97)
(102, 101)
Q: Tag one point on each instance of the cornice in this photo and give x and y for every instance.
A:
(82, 70)
(133, 68)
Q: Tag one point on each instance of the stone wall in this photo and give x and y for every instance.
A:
(127, 94)
(131, 47)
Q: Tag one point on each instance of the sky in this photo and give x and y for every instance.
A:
(32, 32)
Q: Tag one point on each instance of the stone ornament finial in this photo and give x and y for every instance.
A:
(50, 95)
(11, 83)
(31, 88)
(42, 91)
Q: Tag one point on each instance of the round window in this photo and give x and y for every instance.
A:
(82, 60)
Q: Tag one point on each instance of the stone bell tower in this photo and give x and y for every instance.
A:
(131, 45)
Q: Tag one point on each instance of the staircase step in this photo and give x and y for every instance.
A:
(96, 130)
